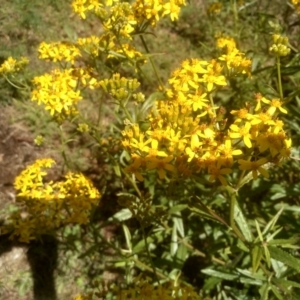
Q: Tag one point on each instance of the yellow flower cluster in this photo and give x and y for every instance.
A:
(280, 45)
(82, 6)
(90, 45)
(119, 20)
(236, 62)
(296, 4)
(214, 8)
(60, 51)
(119, 24)
(11, 65)
(126, 16)
(145, 289)
(119, 87)
(188, 135)
(58, 92)
(48, 206)
(153, 10)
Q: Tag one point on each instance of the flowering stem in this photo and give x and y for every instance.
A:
(231, 215)
(100, 109)
(279, 77)
(240, 179)
(140, 264)
(235, 15)
(63, 152)
(14, 85)
(214, 112)
(126, 112)
(133, 184)
(152, 63)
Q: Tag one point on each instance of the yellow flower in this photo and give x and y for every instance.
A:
(172, 9)
(274, 105)
(213, 77)
(227, 153)
(254, 167)
(81, 6)
(198, 100)
(39, 140)
(83, 127)
(11, 65)
(58, 51)
(214, 8)
(272, 141)
(134, 169)
(56, 91)
(217, 173)
(195, 150)
(49, 205)
(242, 132)
(161, 164)
(140, 144)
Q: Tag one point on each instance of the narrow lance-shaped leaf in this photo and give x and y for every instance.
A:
(285, 257)
(242, 223)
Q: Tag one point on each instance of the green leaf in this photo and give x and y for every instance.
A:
(251, 281)
(177, 208)
(288, 243)
(219, 274)
(285, 283)
(211, 283)
(256, 255)
(242, 246)
(181, 253)
(267, 255)
(276, 292)
(260, 236)
(285, 257)
(242, 223)
(264, 291)
(253, 275)
(278, 266)
(205, 211)
(273, 222)
(179, 224)
(127, 237)
(289, 70)
(156, 238)
(174, 240)
(122, 215)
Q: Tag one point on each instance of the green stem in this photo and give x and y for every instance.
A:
(212, 105)
(231, 216)
(235, 16)
(100, 110)
(126, 112)
(133, 184)
(14, 85)
(140, 264)
(152, 62)
(240, 179)
(63, 152)
(279, 77)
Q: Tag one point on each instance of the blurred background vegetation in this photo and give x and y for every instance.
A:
(216, 263)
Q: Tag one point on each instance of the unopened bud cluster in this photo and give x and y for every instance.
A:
(119, 87)
(280, 45)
